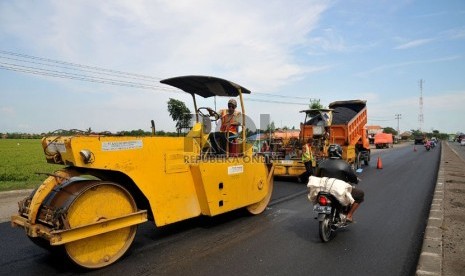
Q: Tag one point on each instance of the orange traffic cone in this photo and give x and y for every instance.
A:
(379, 165)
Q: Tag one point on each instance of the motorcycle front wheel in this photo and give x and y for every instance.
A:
(325, 230)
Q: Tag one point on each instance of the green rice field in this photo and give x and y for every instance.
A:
(20, 161)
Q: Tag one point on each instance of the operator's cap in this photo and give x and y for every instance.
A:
(233, 102)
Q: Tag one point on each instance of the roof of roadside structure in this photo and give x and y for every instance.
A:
(278, 134)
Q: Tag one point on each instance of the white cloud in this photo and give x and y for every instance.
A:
(263, 45)
(458, 33)
(407, 63)
(414, 43)
(6, 111)
(448, 101)
(438, 112)
(330, 41)
(252, 41)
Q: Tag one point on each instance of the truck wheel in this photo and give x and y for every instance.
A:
(358, 161)
(259, 207)
(366, 159)
(103, 201)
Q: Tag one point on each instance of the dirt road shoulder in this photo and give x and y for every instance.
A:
(443, 248)
(9, 203)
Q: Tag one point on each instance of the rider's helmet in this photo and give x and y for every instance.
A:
(335, 151)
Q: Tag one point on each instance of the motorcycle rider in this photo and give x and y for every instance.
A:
(335, 167)
(428, 145)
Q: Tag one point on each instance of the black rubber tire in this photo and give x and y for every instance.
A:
(358, 161)
(366, 160)
(325, 231)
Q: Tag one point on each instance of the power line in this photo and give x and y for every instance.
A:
(57, 74)
(270, 101)
(68, 70)
(77, 65)
(282, 96)
(74, 69)
(36, 70)
(380, 120)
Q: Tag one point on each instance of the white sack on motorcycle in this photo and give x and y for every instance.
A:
(338, 188)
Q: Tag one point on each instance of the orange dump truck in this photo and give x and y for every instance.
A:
(343, 123)
(383, 140)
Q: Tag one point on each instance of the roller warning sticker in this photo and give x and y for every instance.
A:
(235, 169)
(122, 145)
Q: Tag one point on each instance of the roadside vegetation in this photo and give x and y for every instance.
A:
(23, 164)
(21, 160)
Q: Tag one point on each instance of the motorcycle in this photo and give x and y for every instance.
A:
(427, 146)
(433, 144)
(331, 215)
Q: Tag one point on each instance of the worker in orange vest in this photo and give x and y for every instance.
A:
(230, 120)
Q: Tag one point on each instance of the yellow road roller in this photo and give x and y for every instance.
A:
(110, 184)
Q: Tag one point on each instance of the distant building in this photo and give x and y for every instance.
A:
(286, 134)
(372, 131)
(406, 135)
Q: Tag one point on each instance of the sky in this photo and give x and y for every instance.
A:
(97, 64)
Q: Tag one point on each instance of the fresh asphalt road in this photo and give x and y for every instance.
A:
(385, 240)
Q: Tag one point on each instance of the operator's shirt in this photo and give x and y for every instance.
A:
(229, 122)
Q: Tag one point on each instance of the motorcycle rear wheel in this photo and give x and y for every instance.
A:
(325, 230)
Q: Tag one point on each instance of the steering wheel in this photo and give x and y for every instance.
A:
(215, 115)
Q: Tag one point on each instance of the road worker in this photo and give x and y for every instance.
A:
(307, 159)
(230, 121)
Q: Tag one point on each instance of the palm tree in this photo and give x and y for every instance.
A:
(180, 113)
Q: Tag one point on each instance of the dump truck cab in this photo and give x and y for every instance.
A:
(342, 123)
(316, 126)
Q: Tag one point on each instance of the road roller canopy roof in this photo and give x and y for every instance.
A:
(206, 86)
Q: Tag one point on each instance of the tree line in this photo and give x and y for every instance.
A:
(181, 114)
(139, 132)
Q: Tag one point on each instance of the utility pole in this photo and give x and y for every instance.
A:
(420, 115)
(398, 117)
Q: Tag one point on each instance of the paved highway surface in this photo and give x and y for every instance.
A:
(385, 240)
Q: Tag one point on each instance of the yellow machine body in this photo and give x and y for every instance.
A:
(110, 184)
(288, 168)
(177, 184)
